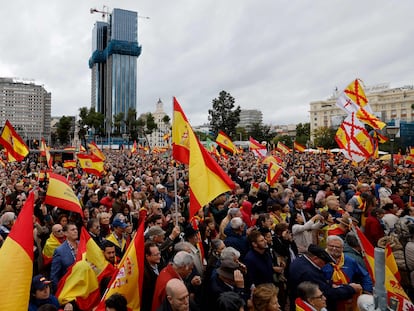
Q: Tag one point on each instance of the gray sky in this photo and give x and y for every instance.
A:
(272, 55)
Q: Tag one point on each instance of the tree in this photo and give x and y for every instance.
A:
(303, 133)
(64, 129)
(223, 116)
(90, 119)
(146, 125)
(118, 120)
(325, 137)
(260, 132)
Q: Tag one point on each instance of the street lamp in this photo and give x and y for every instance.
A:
(392, 131)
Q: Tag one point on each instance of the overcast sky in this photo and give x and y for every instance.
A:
(272, 55)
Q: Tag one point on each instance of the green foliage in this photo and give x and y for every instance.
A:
(223, 116)
(325, 137)
(90, 119)
(241, 134)
(118, 119)
(64, 129)
(303, 133)
(285, 139)
(260, 132)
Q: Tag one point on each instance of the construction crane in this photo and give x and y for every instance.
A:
(105, 12)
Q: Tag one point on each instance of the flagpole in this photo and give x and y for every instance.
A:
(175, 174)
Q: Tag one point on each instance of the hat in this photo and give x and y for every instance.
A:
(227, 267)
(189, 231)
(39, 282)
(119, 223)
(160, 187)
(345, 220)
(320, 253)
(155, 230)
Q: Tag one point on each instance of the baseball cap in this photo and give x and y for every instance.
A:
(119, 223)
(39, 282)
(155, 230)
(320, 253)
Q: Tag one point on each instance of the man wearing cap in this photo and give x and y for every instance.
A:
(157, 235)
(40, 293)
(117, 237)
(308, 267)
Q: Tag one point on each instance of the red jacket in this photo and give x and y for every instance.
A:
(373, 229)
(165, 275)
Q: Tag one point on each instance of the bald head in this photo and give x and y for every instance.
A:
(177, 295)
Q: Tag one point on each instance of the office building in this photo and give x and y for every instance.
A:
(250, 117)
(27, 106)
(113, 65)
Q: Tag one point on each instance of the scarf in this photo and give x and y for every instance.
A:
(338, 276)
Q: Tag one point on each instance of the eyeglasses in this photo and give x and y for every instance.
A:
(318, 297)
(58, 231)
(334, 246)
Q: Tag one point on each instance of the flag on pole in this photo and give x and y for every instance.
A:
(392, 286)
(134, 147)
(44, 151)
(207, 180)
(180, 129)
(94, 149)
(225, 142)
(81, 281)
(299, 147)
(69, 164)
(273, 173)
(91, 164)
(391, 263)
(283, 148)
(82, 148)
(257, 148)
(129, 278)
(16, 261)
(60, 194)
(16, 148)
(354, 140)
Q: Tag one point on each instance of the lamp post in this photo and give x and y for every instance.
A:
(392, 132)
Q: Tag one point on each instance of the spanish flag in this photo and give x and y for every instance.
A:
(16, 261)
(225, 142)
(82, 148)
(13, 143)
(257, 148)
(70, 149)
(180, 130)
(134, 147)
(47, 252)
(128, 281)
(81, 281)
(60, 194)
(69, 164)
(207, 180)
(94, 149)
(299, 147)
(91, 164)
(283, 148)
(44, 151)
(392, 286)
(273, 173)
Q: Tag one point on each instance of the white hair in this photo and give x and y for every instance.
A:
(183, 259)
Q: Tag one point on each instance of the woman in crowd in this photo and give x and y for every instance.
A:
(264, 298)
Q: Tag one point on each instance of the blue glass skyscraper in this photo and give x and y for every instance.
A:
(113, 63)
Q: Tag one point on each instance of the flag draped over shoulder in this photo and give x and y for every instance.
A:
(392, 286)
(16, 148)
(354, 140)
(94, 149)
(91, 164)
(225, 142)
(44, 151)
(257, 148)
(16, 261)
(207, 179)
(180, 129)
(60, 194)
(81, 281)
(128, 281)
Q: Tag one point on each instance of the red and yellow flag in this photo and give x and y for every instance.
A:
(16, 148)
(16, 261)
(273, 173)
(257, 148)
(128, 281)
(180, 129)
(69, 164)
(392, 286)
(81, 281)
(298, 147)
(207, 179)
(47, 252)
(225, 142)
(82, 148)
(94, 149)
(91, 164)
(391, 263)
(134, 147)
(283, 148)
(44, 151)
(60, 194)
(70, 149)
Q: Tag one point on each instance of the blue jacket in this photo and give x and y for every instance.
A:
(237, 241)
(354, 271)
(301, 269)
(34, 304)
(259, 268)
(62, 260)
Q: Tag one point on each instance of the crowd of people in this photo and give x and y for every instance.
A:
(259, 247)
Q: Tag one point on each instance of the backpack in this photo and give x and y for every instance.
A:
(401, 229)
